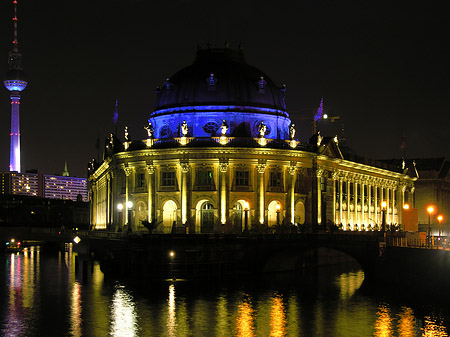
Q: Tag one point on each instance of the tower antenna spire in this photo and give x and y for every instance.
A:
(15, 41)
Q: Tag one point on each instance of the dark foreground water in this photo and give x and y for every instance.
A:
(45, 295)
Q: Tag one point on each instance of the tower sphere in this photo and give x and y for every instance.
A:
(15, 80)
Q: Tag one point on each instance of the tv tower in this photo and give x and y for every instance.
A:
(15, 82)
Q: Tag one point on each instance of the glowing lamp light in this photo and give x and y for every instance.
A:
(383, 204)
(430, 209)
(278, 207)
(246, 206)
(76, 239)
(12, 240)
(171, 254)
(129, 204)
(406, 206)
(440, 218)
(119, 207)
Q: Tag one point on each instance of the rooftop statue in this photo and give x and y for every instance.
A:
(149, 129)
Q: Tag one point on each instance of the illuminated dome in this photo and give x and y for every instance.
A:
(15, 80)
(219, 86)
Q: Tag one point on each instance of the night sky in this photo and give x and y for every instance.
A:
(382, 67)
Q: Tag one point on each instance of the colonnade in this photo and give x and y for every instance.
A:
(358, 200)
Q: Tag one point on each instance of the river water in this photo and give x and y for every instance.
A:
(45, 294)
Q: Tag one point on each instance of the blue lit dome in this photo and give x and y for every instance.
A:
(15, 80)
(219, 86)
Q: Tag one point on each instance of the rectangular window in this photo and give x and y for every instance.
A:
(204, 178)
(275, 179)
(242, 178)
(168, 178)
(140, 180)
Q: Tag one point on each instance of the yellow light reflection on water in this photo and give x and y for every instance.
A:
(244, 320)
(383, 324)
(171, 318)
(123, 314)
(75, 310)
(277, 317)
(406, 322)
(223, 322)
(433, 327)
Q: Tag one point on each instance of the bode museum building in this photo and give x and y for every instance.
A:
(222, 156)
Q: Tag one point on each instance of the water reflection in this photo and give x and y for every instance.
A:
(75, 313)
(277, 317)
(406, 322)
(383, 324)
(171, 319)
(433, 327)
(123, 314)
(244, 321)
(36, 289)
(349, 282)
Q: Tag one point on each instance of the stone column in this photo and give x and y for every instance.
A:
(223, 168)
(393, 189)
(388, 213)
(291, 201)
(355, 193)
(93, 203)
(363, 217)
(111, 200)
(184, 192)
(261, 168)
(369, 202)
(150, 187)
(108, 200)
(335, 177)
(319, 174)
(128, 171)
(375, 200)
(348, 202)
(340, 198)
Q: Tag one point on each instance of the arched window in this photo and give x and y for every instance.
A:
(207, 218)
(169, 215)
(237, 217)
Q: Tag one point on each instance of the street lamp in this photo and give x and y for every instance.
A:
(440, 217)
(278, 214)
(120, 209)
(246, 209)
(430, 210)
(383, 215)
(130, 213)
(171, 257)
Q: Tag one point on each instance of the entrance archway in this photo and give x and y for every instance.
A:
(169, 215)
(274, 213)
(207, 218)
(299, 213)
(238, 216)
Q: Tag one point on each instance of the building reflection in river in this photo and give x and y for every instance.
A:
(47, 288)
